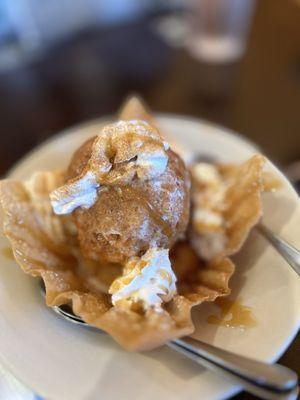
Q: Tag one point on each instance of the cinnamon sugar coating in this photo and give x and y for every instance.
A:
(126, 220)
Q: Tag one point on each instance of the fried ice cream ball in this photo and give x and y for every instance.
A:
(140, 196)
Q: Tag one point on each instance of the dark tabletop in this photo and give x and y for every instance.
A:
(89, 76)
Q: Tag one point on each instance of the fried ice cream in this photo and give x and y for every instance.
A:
(127, 191)
(113, 236)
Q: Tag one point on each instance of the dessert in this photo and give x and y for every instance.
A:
(146, 282)
(113, 235)
(127, 191)
(226, 206)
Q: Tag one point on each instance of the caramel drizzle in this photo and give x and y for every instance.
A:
(130, 137)
(156, 217)
(7, 253)
(153, 213)
(232, 315)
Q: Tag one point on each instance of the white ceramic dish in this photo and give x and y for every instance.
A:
(63, 362)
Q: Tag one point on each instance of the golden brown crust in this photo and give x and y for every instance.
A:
(125, 221)
(244, 206)
(80, 159)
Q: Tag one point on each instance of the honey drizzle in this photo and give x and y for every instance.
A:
(132, 136)
(7, 253)
(232, 315)
(153, 213)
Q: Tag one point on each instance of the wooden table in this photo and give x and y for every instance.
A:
(90, 75)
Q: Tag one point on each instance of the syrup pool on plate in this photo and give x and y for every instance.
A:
(232, 314)
(7, 253)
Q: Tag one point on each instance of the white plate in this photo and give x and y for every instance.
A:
(61, 361)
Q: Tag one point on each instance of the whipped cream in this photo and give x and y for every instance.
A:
(79, 193)
(149, 279)
(122, 151)
(151, 163)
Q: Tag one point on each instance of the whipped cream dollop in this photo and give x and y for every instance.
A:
(208, 196)
(148, 280)
(123, 151)
(81, 193)
(151, 164)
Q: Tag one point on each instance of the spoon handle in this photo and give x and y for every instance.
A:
(267, 381)
(288, 252)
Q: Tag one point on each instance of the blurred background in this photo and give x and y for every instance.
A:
(232, 62)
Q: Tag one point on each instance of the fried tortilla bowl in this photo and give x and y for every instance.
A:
(239, 209)
(45, 245)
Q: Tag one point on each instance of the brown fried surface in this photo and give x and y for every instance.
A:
(126, 220)
(80, 158)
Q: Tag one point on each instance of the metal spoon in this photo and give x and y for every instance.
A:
(266, 381)
(287, 251)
